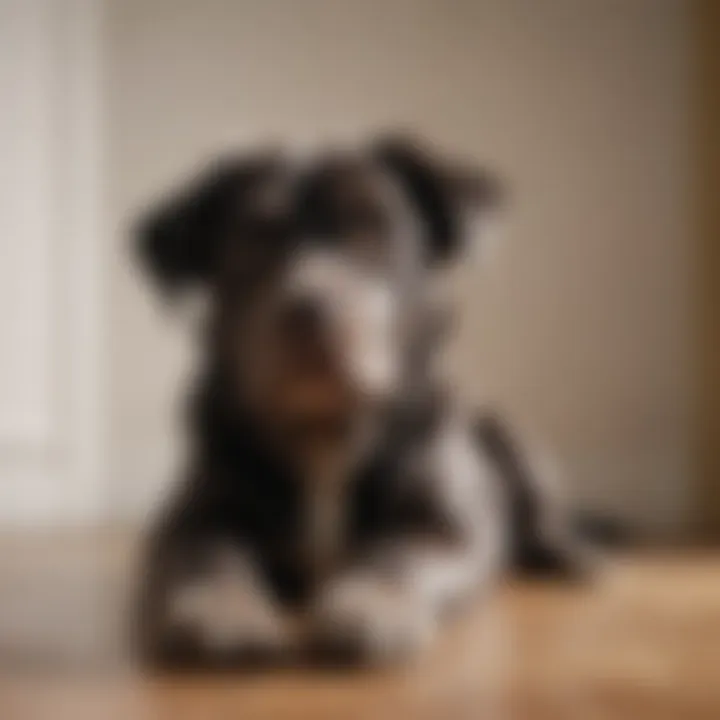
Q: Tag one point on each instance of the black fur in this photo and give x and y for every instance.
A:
(241, 489)
(180, 242)
(446, 193)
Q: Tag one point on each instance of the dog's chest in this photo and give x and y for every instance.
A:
(332, 521)
(325, 515)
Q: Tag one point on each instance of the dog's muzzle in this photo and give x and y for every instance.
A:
(314, 383)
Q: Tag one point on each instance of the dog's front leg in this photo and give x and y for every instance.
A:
(444, 540)
(218, 612)
(388, 608)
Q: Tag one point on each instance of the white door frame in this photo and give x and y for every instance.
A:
(52, 434)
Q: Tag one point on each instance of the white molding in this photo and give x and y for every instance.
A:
(51, 472)
(85, 261)
(26, 205)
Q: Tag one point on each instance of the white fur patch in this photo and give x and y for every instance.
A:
(365, 309)
(228, 607)
(473, 493)
(383, 620)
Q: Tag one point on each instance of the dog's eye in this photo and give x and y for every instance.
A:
(255, 249)
(268, 230)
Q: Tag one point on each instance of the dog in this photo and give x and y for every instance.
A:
(338, 501)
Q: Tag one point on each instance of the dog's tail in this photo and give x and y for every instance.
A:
(545, 540)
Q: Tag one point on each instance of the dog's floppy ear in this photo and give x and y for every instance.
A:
(450, 194)
(179, 240)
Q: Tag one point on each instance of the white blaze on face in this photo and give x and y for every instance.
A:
(374, 348)
(365, 309)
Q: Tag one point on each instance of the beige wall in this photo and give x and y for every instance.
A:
(579, 328)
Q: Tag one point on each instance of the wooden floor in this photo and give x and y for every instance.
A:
(644, 643)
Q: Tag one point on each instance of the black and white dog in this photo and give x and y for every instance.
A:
(338, 498)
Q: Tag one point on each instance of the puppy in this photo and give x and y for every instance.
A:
(337, 499)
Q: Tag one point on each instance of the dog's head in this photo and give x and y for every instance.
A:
(319, 275)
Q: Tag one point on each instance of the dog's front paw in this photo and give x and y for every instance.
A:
(229, 616)
(370, 620)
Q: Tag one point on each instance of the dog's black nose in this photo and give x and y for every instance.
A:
(308, 340)
(303, 318)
